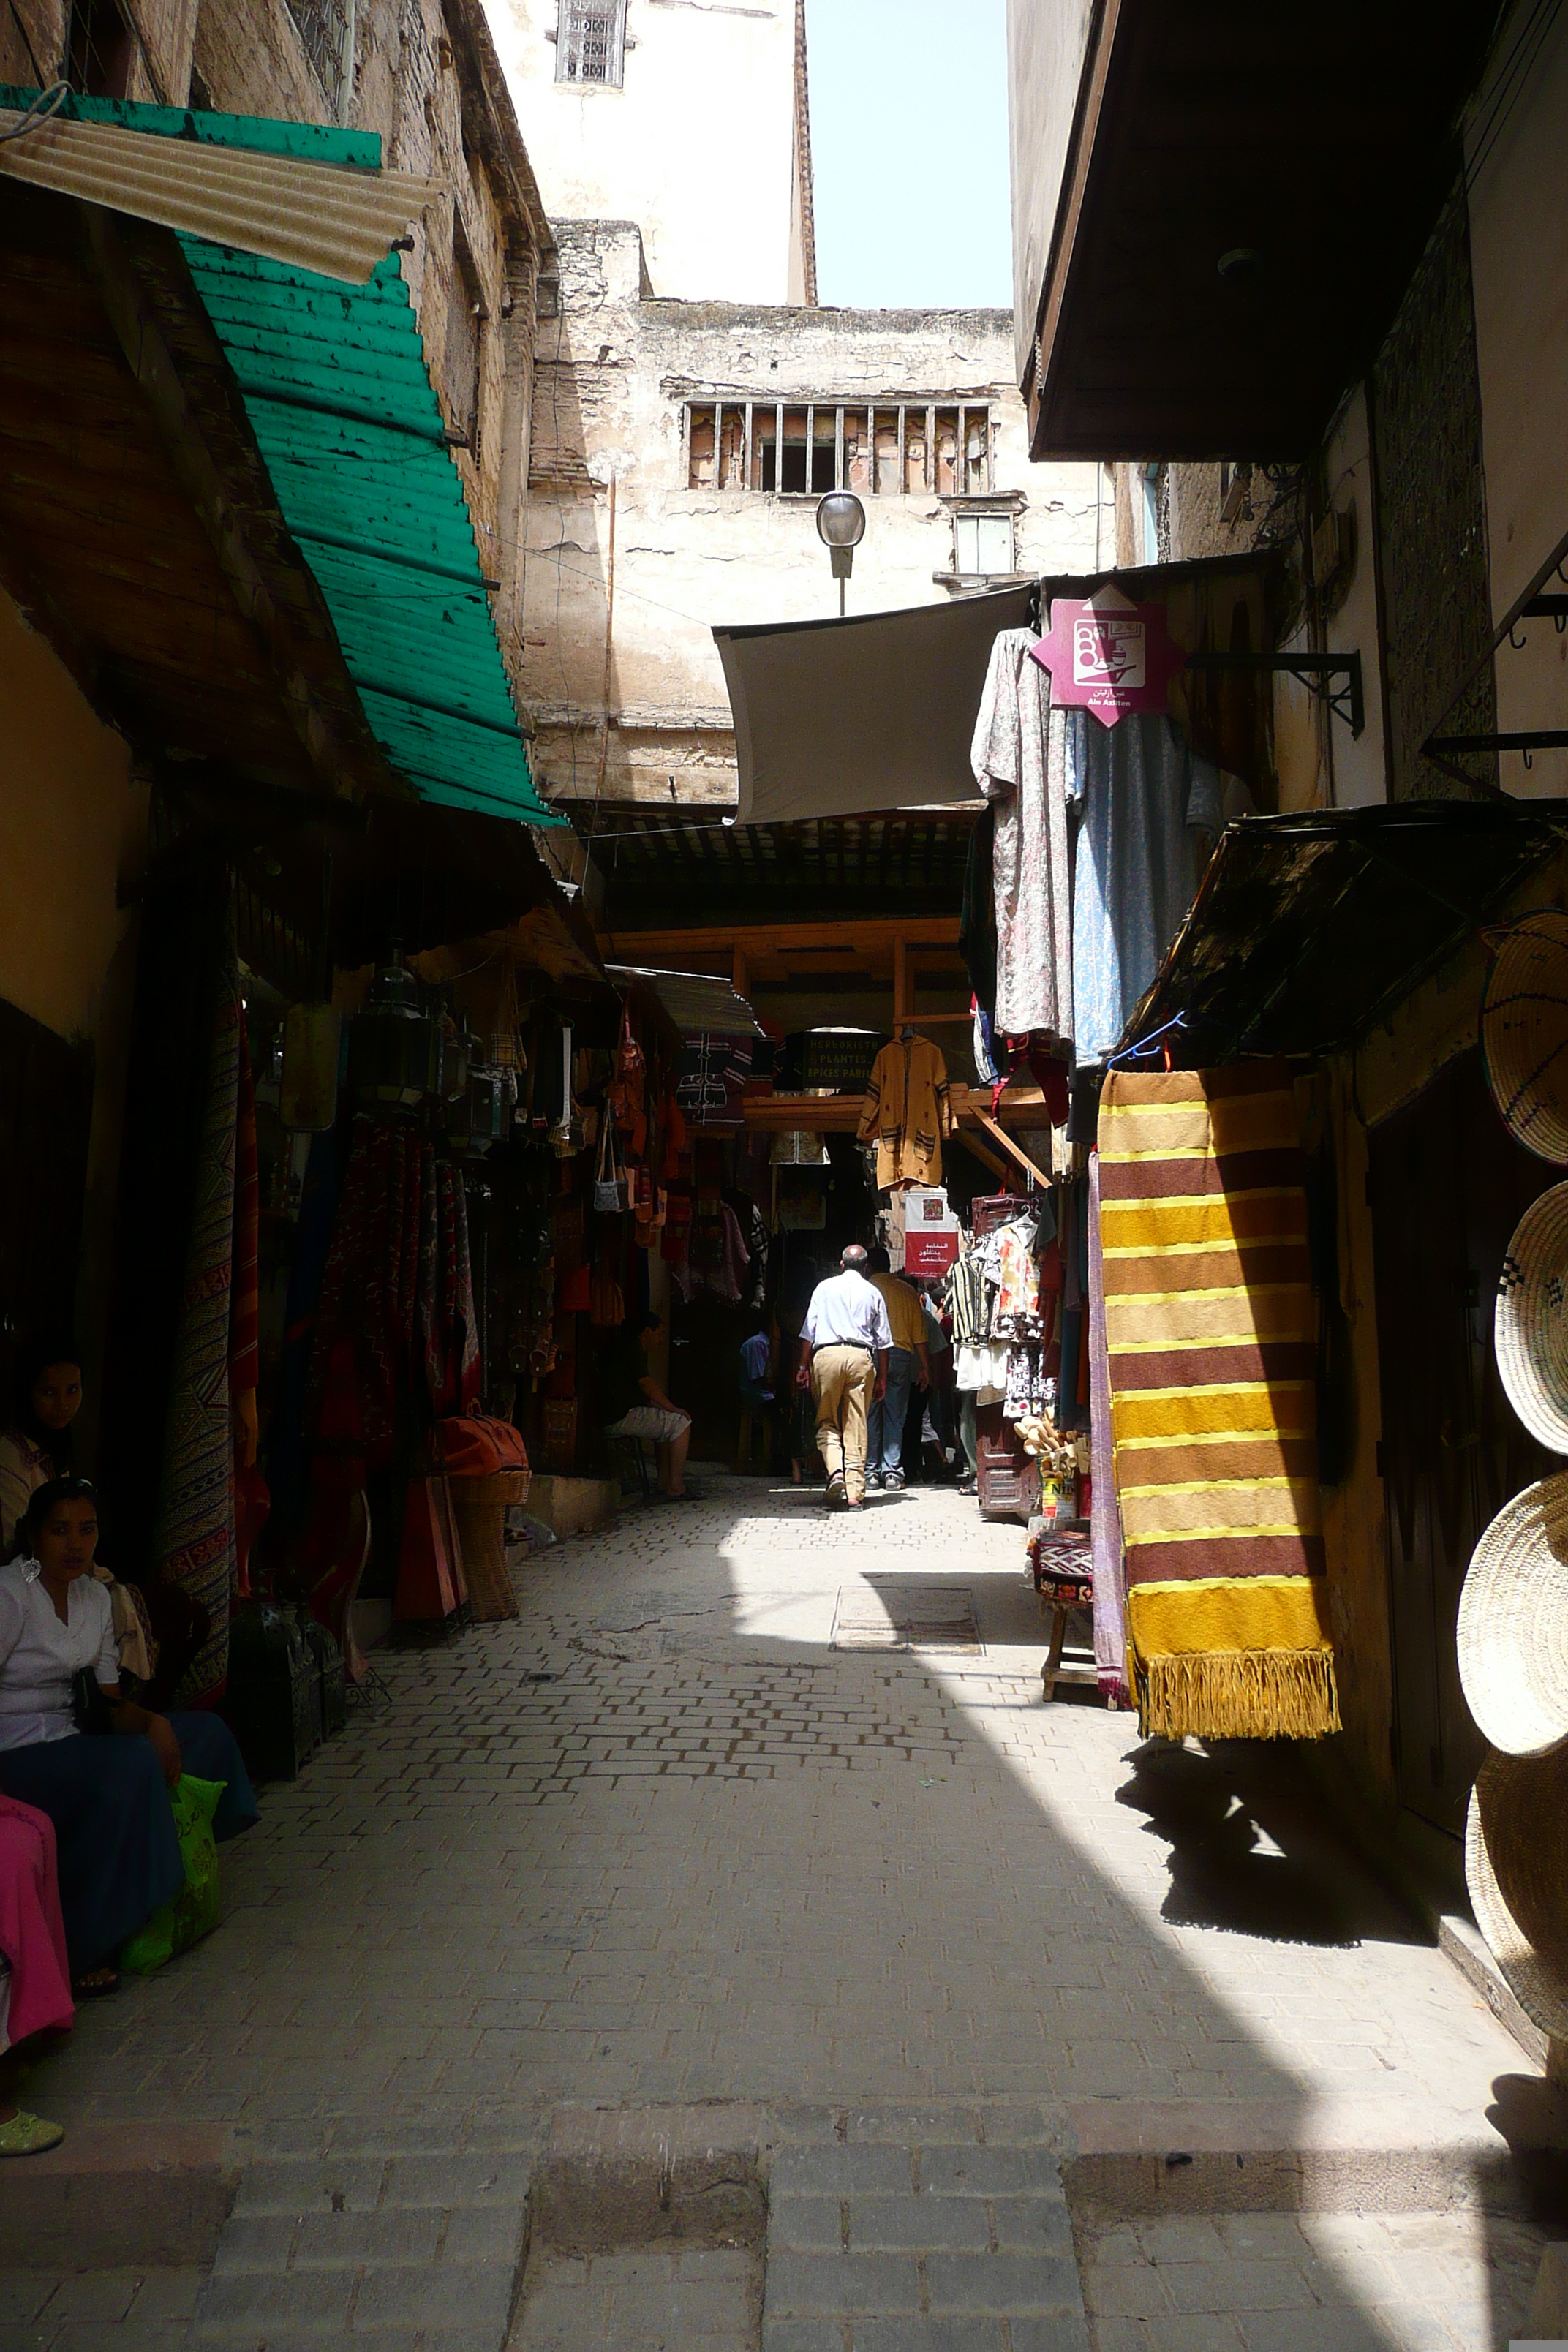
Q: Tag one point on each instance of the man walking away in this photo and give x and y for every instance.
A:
(885, 1458)
(845, 1343)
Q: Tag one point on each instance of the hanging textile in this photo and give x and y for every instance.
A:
(909, 1110)
(1109, 1633)
(193, 1532)
(1144, 802)
(712, 1081)
(459, 1326)
(1210, 1331)
(1018, 756)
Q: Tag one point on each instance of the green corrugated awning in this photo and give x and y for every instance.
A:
(336, 387)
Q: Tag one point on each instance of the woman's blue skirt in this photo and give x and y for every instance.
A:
(119, 1856)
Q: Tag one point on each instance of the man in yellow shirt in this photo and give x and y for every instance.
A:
(907, 1362)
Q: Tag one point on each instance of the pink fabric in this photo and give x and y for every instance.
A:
(32, 1932)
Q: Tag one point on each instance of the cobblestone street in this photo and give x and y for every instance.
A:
(657, 1845)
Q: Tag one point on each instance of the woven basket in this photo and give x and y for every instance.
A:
(1516, 1866)
(480, 1507)
(1524, 1032)
(1514, 1623)
(1530, 1326)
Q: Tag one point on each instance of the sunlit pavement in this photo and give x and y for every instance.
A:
(660, 1842)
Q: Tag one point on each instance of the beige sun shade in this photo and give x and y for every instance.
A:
(321, 216)
(833, 717)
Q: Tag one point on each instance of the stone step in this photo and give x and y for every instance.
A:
(119, 2196)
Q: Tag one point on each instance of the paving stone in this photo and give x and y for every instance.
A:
(1001, 2282)
(811, 2285)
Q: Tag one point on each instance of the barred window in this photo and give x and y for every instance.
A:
(893, 449)
(589, 41)
(326, 28)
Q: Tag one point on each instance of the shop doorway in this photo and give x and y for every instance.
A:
(1448, 1184)
(46, 1118)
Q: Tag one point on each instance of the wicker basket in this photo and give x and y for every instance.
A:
(480, 1507)
(1524, 1032)
(1516, 1866)
(1529, 1325)
(1512, 1632)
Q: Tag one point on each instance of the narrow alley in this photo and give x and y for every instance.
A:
(699, 1854)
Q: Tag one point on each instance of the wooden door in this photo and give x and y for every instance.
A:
(46, 1114)
(1449, 1184)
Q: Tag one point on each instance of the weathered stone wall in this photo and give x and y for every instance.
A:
(629, 569)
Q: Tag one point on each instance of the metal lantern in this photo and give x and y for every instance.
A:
(394, 1045)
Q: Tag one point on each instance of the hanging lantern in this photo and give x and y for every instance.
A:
(394, 1045)
(308, 1090)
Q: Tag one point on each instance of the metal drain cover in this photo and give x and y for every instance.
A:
(906, 1617)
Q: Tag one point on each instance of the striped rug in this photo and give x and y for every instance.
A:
(1210, 1329)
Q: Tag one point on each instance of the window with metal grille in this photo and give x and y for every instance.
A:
(326, 28)
(899, 448)
(591, 40)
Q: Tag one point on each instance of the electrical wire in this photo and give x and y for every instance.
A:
(48, 103)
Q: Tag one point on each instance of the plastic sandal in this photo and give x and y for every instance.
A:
(26, 2135)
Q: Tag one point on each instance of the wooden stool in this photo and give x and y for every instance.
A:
(631, 1453)
(752, 1424)
(1053, 1672)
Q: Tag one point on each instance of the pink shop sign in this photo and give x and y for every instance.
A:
(1108, 655)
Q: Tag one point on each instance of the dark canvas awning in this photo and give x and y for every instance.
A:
(834, 718)
(1309, 928)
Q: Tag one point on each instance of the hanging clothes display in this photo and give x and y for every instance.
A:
(1144, 802)
(712, 1080)
(1210, 1334)
(908, 1110)
(1019, 761)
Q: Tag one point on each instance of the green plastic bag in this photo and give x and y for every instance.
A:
(196, 1909)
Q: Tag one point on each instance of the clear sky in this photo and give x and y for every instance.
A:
(909, 146)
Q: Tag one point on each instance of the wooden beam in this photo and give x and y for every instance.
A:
(638, 947)
(40, 610)
(140, 277)
(994, 1127)
(972, 1144)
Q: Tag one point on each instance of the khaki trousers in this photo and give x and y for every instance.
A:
(842, 1380)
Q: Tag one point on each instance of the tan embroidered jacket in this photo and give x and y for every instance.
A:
(908, 1110)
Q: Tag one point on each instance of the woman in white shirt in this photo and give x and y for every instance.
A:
(105, 1793)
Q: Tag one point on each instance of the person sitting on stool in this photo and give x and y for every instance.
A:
(845, 1343)
(645, 1410)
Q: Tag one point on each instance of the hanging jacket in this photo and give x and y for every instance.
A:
(907, 1112)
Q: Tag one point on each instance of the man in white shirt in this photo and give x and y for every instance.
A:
(845, 1343)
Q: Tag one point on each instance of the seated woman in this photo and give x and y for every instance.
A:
(158, 1632)
(107, 1794)
(35, 1976)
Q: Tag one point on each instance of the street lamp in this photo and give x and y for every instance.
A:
(841, 526)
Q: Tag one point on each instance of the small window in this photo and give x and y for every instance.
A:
(982, 545)
(326, 28)
(590, 42)
(903, 448)
(465, 342)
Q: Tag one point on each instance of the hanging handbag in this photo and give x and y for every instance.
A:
(609, 1185)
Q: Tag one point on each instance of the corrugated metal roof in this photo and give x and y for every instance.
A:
(339, 396)
(698, 1004)
(314, 215)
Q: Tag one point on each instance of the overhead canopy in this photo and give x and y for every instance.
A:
(1217, 206)
(834, 718)
(295, 414)
(1308, 930)
(262, 192)
(698, 1002)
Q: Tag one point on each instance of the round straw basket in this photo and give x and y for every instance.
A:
(1524, 1032)
(1514, 1623)
(1531, 1323)
(1516, 1866)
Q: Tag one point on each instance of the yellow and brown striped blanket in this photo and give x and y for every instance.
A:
(1210, 1332)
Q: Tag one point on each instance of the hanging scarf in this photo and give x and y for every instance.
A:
(1210, 1330)
(1110, 1632)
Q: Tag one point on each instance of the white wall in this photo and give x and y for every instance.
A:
(1359, 763)
(1518, 252)
(697, 147)
(612, 372)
